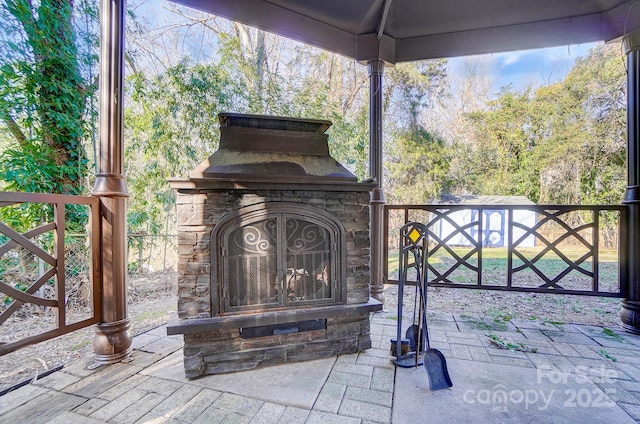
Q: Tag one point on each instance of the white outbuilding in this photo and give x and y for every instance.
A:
(487, 215)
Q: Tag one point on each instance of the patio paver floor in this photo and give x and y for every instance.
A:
(571, 373)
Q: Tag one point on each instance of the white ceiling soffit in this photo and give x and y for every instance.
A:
(425, 29)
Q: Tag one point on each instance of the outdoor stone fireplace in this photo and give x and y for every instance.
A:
(274, 249)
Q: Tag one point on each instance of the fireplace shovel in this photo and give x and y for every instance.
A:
(434, 362)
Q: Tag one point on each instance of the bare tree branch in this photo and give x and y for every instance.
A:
(14, 128)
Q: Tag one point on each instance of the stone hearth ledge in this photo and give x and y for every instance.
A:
(200, 325)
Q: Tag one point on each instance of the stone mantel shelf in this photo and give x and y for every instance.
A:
(199, 325)
(202, 185)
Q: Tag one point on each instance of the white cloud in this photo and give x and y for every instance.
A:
(506, 59)
(565, 53)
(530, 67)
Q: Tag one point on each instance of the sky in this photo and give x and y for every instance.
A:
(520, 68)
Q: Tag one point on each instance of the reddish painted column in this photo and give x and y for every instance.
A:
(630, 314)
(112, 341)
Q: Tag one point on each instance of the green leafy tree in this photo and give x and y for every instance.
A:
(171, 126)
(579, 124)
(43, 99)
(418, 167)
(561, 144)
(412, 87)
(43, 96)
(600, 83)
(502, 155)
(349, 139)
(416, 160)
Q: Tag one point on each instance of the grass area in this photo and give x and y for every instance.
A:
(151, 315)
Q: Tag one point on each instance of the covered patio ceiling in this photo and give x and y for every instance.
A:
(405, 30)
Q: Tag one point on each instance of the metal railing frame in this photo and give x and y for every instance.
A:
(56, 261)
(551, 213)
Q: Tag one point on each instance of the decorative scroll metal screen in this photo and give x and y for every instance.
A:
(251, 265)
(547, 249)
(277, 259)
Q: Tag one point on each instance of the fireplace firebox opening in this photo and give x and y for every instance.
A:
(277, 255)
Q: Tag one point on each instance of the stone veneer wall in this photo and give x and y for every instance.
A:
(222, 350)
(199, 213)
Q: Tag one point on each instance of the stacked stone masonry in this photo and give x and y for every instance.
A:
(199, 213)
(223, 350)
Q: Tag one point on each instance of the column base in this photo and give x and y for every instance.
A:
(376, 286)
(112, 341)
(377, 292)
(630, 316)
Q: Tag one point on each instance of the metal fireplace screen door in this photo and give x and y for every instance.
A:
(278, 260)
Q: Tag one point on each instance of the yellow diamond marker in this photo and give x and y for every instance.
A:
(414, 235)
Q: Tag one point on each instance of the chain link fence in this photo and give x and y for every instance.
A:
(149, 255)
(152, 253)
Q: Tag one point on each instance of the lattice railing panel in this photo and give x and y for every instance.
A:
(48, 280)
(549, 249)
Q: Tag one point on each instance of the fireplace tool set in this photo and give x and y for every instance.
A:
(414, 349)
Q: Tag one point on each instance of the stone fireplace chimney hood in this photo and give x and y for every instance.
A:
(270, 148)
